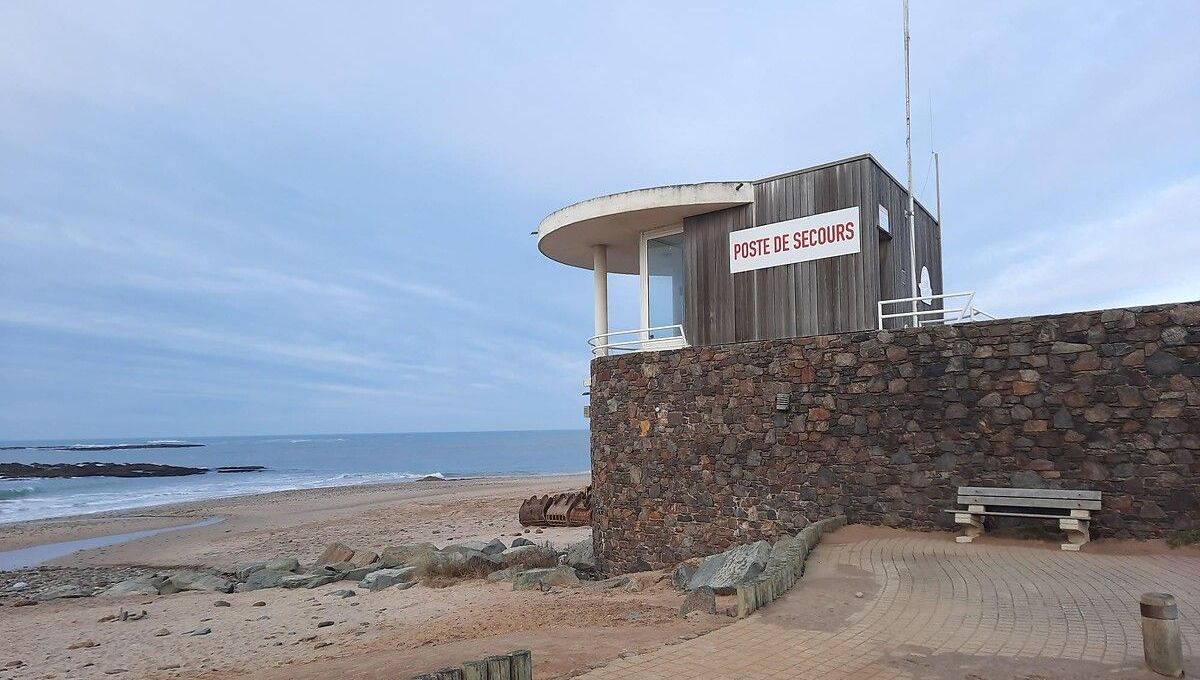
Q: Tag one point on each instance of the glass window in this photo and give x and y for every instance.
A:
(664, 286)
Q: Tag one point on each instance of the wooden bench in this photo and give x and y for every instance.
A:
(1072, 509)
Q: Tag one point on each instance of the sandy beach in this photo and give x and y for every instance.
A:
(391, 633)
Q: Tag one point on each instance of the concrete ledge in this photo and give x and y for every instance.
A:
(781, 574)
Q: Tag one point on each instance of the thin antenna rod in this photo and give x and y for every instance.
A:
(912, 210)
(937, 185)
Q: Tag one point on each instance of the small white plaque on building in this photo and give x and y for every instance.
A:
(883, 220)
(805, 238)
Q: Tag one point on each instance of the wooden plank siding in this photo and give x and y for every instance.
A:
(832, 295)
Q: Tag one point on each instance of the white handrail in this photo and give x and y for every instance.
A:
(967, 312)
(601, 344)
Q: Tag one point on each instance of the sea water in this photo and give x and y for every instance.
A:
(293, 462)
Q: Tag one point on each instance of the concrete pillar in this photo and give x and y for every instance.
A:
(1160, 634)
(600, 282)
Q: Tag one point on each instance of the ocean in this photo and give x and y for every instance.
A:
(293, 462)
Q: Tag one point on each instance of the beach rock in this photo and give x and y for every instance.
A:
(24, 602)
(260, 603)
(196, 580)
(335, 552)
(162, 632)
(342, 594)
(324, 624)
(83, 644)
(581, 556)
(281, 563)
(518, 542)
(360, 573)
(140, 585)
(336, 569)
(413, 555)
(702, 599)
(222, 603)
(93, 469)
(725, 571)
(503, 574)
(243, 572)
(199, 631)
(306, 580)
(512, 556)
(544, 579)
(682, 575)
(378, 580)
(264, 578)
(462, 561)
(364, 558)
(492, 547)
(123, 616)
(66, 590)
(18, 586)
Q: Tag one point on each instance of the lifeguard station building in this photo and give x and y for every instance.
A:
(783, 371)
(804, 253)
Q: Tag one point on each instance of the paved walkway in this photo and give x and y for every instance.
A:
(932, 608)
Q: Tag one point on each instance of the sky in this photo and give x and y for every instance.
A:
(295, 217)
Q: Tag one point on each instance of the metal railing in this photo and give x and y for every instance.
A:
(644, 342)
(941, 315)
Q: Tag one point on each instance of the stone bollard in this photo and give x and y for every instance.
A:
(1160, 634)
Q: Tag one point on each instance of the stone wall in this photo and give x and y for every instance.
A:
(690, 454)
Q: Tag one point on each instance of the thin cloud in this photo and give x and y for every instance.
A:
(1146, 255)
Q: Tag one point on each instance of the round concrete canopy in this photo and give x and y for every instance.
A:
(618, 220)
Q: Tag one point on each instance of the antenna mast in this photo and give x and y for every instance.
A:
(912, 215)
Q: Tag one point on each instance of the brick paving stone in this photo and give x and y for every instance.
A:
(938, 607)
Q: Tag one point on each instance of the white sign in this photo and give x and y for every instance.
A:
(883, 220)
(806, 238)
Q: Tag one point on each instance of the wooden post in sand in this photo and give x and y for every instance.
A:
(475, 670)
(498, 668)
(521, 664)
(449, 673)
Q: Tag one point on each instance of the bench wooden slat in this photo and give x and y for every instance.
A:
(1073, 494)
(1015, 514)
(1027, 502)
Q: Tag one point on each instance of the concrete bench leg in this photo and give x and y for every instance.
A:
(1077, 532)
(972, 526)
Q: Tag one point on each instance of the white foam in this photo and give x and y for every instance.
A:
(46, 501)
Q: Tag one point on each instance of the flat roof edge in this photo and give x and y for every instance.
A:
(843, 161)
